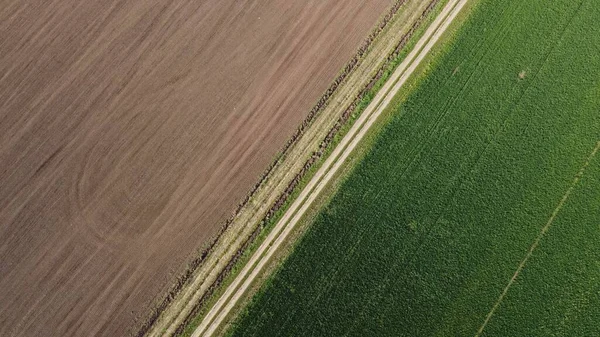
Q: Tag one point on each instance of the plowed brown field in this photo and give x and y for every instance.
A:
(130, 130)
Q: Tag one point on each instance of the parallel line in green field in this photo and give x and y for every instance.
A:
(537, 240)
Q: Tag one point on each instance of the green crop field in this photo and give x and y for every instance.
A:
(477, 211)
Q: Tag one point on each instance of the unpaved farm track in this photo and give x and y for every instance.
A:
(237, 289)
(129, 131)
(306, 146)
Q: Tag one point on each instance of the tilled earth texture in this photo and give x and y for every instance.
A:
(130, 130)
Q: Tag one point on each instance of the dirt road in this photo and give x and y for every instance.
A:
(219, 312)
(129, 131)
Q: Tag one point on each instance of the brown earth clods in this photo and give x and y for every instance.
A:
(129, 131)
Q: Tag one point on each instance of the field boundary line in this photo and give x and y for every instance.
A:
(238, 287)
(537, 240)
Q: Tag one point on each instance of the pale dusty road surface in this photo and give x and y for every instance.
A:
(130, 130)
(234, 292)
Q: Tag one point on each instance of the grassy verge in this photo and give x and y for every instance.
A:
(424, 234)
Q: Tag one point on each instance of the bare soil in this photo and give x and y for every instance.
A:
(130, 130)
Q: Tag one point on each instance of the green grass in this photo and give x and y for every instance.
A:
(424, 235)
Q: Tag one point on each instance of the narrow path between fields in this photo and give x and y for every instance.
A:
(219, 312)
